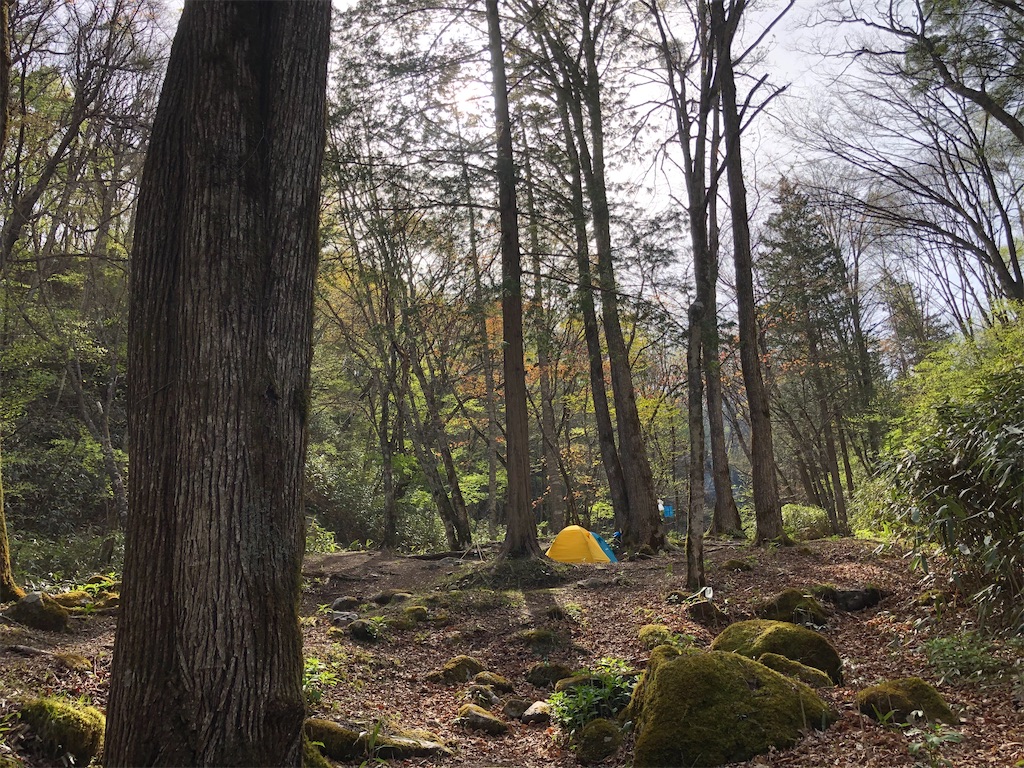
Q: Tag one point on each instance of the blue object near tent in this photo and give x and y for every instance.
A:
(670, 511)
(604, 545)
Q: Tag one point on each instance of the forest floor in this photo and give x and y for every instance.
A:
(601, 611)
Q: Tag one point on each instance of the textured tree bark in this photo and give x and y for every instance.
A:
(521, 533)
(208, 660)
(767, 508)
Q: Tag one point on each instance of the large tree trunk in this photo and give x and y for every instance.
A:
(767, 509)
(207, 661)
(521, 533)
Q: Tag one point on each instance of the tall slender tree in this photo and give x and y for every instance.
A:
(521, 533)
(207, 661)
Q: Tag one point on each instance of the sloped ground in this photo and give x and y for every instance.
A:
(596, 613)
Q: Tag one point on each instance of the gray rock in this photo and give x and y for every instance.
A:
(482, 695)
(477, 719)
(515, 708)
(538, 713)
(346, 603)
(343, 618)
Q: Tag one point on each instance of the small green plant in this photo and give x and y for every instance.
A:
(608, 694)
(319, 540)
(966, 656)
(929, 741)
(806, 522)
(317, 677)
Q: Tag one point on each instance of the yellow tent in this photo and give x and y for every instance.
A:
(574, 544)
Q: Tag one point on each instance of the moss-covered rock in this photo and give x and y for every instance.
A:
(599, 740)
(477, 719)
(795, 606)
(759, 636)
(541, 639)
(366, 630)
(815, 678)
(459, 669)
(898, 700)
(346, 742)
(74, 661)
(482, 695)
(577, 681)
(39, 611)
(493, 679)
(696, 708)
(849, 599)
(653, 635)
(63, 727)
(515, 708)
(545, 674)
(416, 613)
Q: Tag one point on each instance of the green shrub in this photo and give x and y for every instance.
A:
(956, 466)
(319, 540)
(608, 695)
(806, 522)
(964, 656)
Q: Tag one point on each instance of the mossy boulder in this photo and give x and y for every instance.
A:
(697, 708)
(493, 679)
(348, 742)
(365, 630)
(898, 700)
(478, 719)
(66, 728)
(459, 669)
(545, 674)
(759, 636)
(849, 599)
(416, 613)
(795, 606)
(577, 681)
(541, 639)
(482, 695)
(74, 661)
(312, 757)
(653, 635)
(39, 611)
(815, 678)
(599, 740)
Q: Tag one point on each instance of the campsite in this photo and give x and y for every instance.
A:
(577, 615)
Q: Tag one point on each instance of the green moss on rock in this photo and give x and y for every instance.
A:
(461, 669)
(653, 635)
(897, 700)
(416, 612)
(796, 606)
(76, 598)
(599, 740)
(736, 565)
(815, 678)
(345, 743)
(63, 727)
(478, 719)
(545, 674)
(39, 611)
(759, 636)
(312, 757)
(496, 681)
(697, 708)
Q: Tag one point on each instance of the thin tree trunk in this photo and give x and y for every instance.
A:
(207, 666)
(592, 334)
(555, 490)
(521, 533)
(767, 509)
(643, 523)
(9, 590)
